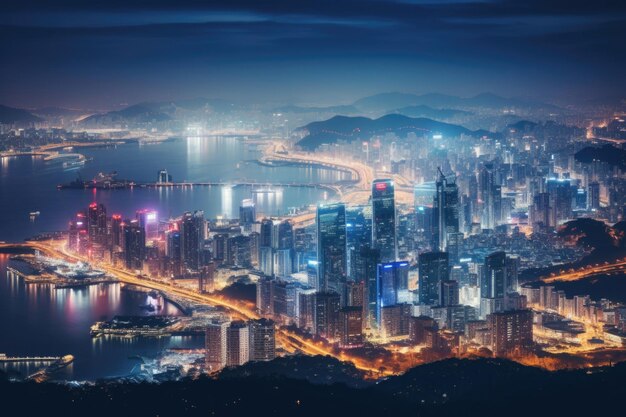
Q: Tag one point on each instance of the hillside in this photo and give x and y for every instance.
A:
(12, 115)
(353, 128)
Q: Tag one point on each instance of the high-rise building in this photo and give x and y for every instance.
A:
(97, 223)
(433, 268)
(247, 214)
(391, 278)
(216, 344)
(351, 326)
(358, 234)
(446, 213)
(331, 247)
(266, 247)
(561, 197)
(448, 293)
(593, 196)
(326, 314)
(511, 332)
(384, 220)
(365, 266)
(237, 343)
(134, 245)
(493, 283)
(149, 221)
(192, 231)
(262, 340)
(116, 230)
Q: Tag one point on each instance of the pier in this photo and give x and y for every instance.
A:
(5, 358)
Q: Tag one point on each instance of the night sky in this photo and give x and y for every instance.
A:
(103, 53)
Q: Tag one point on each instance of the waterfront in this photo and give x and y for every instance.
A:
(41, 321)
(189, 159)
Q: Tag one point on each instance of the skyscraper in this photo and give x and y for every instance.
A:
(446, 213)
(326, 314)
(97, 223)
(493, 283)
(192, 238)
(433, 268)
(247, 214)
(134, 245)
(384, 220)
(391, 278)
(331, 247)
(366, 271)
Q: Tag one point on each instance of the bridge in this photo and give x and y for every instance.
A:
(4, 358)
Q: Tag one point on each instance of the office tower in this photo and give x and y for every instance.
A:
(247, 214)
(262, 340)
(220, 245)
(237, 343)
(215, 342)
(326, 314)
(331, 247)
(391, 278)
(149, 221)
(433, 268)
(355, 294)
(134, 245)
(174, 251)
(313, 275)
(264, 298)
(560, 192)
(593, 196)
(116, 230)
(358, 234)
(284, 250)
(266, 247)
(490, 194)
(238, 251)
(493, 283)
(192, 231)
(351, 326)
(306, 311)
(366, 265)
(511, 332)
(97, 223)
(445, 212)
(448, 293)
(384, 220)
(540, 211)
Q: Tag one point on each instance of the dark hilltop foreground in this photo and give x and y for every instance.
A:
(452, 387)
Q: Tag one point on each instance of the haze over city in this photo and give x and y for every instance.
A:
(312, 208)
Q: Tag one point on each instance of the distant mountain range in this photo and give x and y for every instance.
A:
(11, 115)
(431, 113)
(353, 128)
(341, 109)
(385, 102)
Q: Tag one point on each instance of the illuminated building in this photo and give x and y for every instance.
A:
(331, 247)
(247, 214)
(216, 344)
(192, 231)
(446, 214)
(394, 320)
(163, 177)
(262, 340)
(116, 230)
(134, 245)
(264, 298)
(237, 343)
(306, 311)
(511, 332)
(593, 196)
(391, 278)
(433, 268)
(358, 234)
(448, 293)
(384, 220)
(149, 220)
(97, 223)
(365, 265)
(326, 314)
(351, 326)
(266, 247)
(560, 192)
